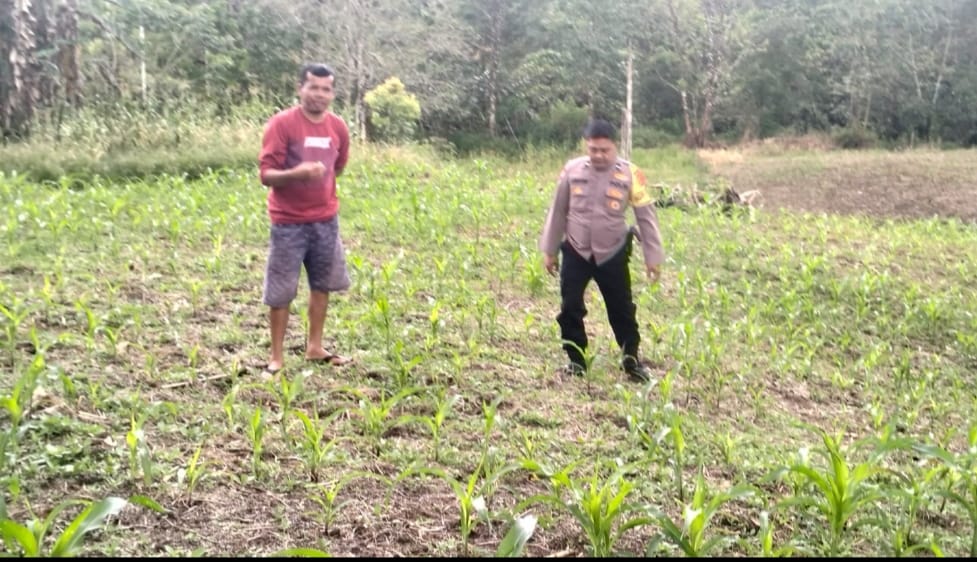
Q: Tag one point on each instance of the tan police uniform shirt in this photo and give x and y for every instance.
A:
(588, 210)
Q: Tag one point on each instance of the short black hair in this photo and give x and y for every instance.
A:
(599, 129)
(315, 69)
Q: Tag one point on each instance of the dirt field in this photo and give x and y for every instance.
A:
(913, 184)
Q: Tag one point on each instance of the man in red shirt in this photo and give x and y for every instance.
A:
(304, 149)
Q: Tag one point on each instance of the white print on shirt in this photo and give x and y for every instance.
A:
(318, 142)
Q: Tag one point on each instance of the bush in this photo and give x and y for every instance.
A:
(393, 112)
(855, 137)
(471, 142)
(562, 126)
(651, 137)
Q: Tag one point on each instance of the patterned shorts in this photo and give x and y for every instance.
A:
(318, 247)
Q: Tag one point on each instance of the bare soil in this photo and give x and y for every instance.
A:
(908, 185)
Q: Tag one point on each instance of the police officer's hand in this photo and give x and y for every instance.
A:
(551, 264)
(654, 273)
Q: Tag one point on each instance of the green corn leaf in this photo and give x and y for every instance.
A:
(301, 553)
(515, 540)
(89, 519)
(18, 537)
(147, 502)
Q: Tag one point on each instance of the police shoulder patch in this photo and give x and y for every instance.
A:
(640, 196)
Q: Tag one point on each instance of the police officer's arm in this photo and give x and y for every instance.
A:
(556, 224)
(643, 205)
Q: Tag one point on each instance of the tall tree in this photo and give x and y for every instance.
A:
(21, 72)
(703, 41)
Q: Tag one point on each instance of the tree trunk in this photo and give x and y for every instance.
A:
(690, 135)
(21, 97)
(492, 64)
(626, 122)
(69, 51)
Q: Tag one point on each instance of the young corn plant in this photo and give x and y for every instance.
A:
(140, 457)
(17, 404)
(194, 473)
(598, 506)
(403, 378)
(489, 418)
(471, 494)
(673, 435)
(962, 476)
(326, 495)
(839, 492)
(255, 431)
(28, 540)
(91, 322)
(286, 393)
(315, 448)
(13, 318)
(435, 422)
(765, 534)
(375, 417)
(514, 542)
(692, 537)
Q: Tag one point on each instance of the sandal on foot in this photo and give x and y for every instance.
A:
(332, 359)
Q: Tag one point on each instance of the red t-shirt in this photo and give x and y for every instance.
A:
(290, 139)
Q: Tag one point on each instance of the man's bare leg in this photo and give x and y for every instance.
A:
(278, 318)
(318, 304)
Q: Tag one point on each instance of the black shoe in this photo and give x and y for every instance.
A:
(635, 370)
(573, 369)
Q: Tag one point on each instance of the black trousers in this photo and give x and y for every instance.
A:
(614, 281)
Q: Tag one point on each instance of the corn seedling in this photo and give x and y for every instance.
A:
(588, 357)
(514, 542)
(384, 318)
(255, 431)
(28, 540)
(598, 506)
(140, 457)
(691, 537)
(325, 495)
(315, 449)
(839, 492)
(471, 494)
(435, 422)
(193, 474)
(13, 318)
(286, 392)
(765, 534)
(18, 403)
(375, 417)
(673, 435)
(962, 477)
(91, 322)
(405, 369)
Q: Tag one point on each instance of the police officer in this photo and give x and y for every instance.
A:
(586, 223)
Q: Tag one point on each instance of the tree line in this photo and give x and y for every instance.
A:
(490, 71)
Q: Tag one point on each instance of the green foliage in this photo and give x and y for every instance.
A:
(855, 137)
(561, 125)
(28, 540)
(839, 492)
(598, 506)
(691, 536)
(394, 112)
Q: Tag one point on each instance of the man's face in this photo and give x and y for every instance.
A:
(602, 152)
(316, 93)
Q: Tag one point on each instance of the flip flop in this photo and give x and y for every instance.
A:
(266, 374)
(332, 359)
